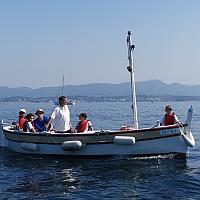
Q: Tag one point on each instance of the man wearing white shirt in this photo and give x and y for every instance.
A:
(60, 117)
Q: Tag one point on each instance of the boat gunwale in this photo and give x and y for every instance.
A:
(95, 133)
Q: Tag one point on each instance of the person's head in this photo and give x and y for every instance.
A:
(22, 112)
(30, 117)
(62, 101)
(82, 116)
(168, 109)
(40, 113)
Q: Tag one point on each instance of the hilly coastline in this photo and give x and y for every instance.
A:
(150, 87)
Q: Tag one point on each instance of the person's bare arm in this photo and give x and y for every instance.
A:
(47, 125)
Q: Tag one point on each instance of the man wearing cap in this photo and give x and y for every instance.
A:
(60, 117)
(40, 121)
(169, 117)
(22, 118)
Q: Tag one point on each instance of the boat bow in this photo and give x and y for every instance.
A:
(187, 134)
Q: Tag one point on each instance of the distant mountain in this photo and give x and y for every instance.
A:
(157, 87)
(150, 87)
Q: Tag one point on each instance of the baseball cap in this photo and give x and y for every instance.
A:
(22, 111)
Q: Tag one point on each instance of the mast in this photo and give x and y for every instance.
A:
(130, 68)
(62, 84)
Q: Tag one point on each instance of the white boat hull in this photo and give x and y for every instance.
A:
(147, 147)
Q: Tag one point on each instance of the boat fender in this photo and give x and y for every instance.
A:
(124, 140)
(29, 146)
(188, 140)
(72, 145)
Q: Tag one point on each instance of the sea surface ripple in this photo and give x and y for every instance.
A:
(57, 177)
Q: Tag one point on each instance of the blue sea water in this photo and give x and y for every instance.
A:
(53, 177)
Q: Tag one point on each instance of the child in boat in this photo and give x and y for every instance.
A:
(22, 119)
(28, 126)
(83, 125)
(169, 118)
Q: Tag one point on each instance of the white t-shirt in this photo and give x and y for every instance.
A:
(29, 127)
(61, 118)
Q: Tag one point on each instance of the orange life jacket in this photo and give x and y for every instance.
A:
(169, 119)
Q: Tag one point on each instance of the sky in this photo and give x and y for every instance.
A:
(86, 41)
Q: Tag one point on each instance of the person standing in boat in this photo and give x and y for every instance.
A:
(169, 118)
(83, 125)
(60, 117)
(40, 121)
(28, 126)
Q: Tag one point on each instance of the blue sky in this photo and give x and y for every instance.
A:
(86, 41)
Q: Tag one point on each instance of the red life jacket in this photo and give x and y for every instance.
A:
(169, 119)
(21, 122)
(82, 126)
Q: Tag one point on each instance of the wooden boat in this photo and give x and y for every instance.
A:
(161, 140)
(134, 141)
